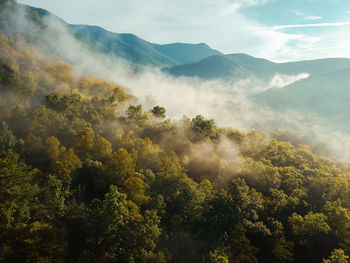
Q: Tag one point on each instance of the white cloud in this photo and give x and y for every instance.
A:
(231, 9)
(245, 3)
(306, 16)
(298, 13)
(281, 80)
(311, 25)
(313, 17)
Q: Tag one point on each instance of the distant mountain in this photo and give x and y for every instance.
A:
(127, 46)
(133, 48)
(326, 95)
(214, 67)
(227, 66)
(139, 51)
(186, 53)
(266, 69)
(178, 59)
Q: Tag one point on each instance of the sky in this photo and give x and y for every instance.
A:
(279, 30)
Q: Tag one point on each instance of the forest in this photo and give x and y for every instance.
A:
(88, 175)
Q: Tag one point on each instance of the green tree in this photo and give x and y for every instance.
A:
(338, 218)
(183, 197)
(17, 191)
(239, 204)
(63, 162)
(102, 149)
(7, 139)
(236, 248)
(135, 188)
(309, 228)
(337, 256)
(147, 154)
(119, 233)
(158, 112)
(84, 144)
(311, 235)
(136, 116)
(120, 167)
(204, 129)
(26, 231)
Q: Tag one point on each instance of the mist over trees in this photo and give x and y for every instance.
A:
(87, 175)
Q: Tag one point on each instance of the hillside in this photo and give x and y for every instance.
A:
(213, 67)
(141, 52)
(127, 46)
(227, 66)
(326, 95)
(186, 53)
(89, 175)
(84, 180)
(133, 48)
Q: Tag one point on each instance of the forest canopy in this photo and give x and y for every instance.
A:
(87, 175)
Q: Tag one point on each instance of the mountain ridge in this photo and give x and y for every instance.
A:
(172, 57)
(259, 67)
(132, 48)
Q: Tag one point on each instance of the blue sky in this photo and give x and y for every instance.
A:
(281, 30)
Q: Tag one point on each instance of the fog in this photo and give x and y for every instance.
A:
(227, 102)
(281, 81)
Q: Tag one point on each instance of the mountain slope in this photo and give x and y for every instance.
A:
(127, 46)
(186, 53)
(326, 95)
(213, 67)
(84, 179)
(139, 51)
(261, 68)
(264, 68)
